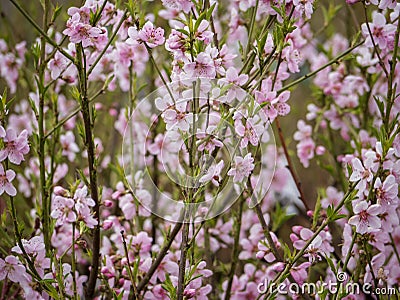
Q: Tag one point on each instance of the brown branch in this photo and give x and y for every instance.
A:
(235, 251)
(290, 164)
(163, 252)
(89, 143)
(182, 261)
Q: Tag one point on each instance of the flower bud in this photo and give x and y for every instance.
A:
(190, 293)
(320, 150)
(108, 203)
(107, 224)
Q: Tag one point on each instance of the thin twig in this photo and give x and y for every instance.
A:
(235, 251)
(182, 261)
(290, 165)
(41, 31)
(41, 151)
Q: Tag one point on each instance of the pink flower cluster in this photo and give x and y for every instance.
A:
(80, 30)
(11, 60)
(14, 149)
(67, 209)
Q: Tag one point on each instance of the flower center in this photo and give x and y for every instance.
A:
(364, 215)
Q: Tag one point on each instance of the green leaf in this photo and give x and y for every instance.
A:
(202, 17)
(33, 106)
(288, 255)
(331, 264)
(76, 95)
(210, 11)
(83, 176)
(280, 217)
(183, 31)
(35, 50)
(169, 287)
(330, 211)
(317, 210)
(56, 13)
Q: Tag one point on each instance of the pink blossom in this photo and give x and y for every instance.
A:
(366, 217)
(386, 192)
(68, 280)
(69, 147)
(250, 244)
(232, 76)
(384, 4)
(396, 145)
(305, 151)
(36, 249)
(180, 5)
(243, 167)
(203, 66)
(304, 6)
(79, 32)
(141, 243)
(207, 141)
(83, 12)
(300, 273)
(361, 173)
(382, 33)
(167, 266)
(199, 293)
(265, 251)
(5, 182)
(156, 293)
(377, 263)
(130, 208)
(320, 245)
(12, 268)
(176, 43)
(107, 224)
(222, 231)
(304, 131)
(149, 34)
(63, 210)
(213, 174)
(82, 205)
(292, 57)
(127, 54)
(306, 147)
(165, 146)
(15, 146)
(250, 132)
(273, 105)
(174, 114)
(57, 65)
(10, 63)
(389, 218)
(333, 197)
(235, 91)
(202, 33)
